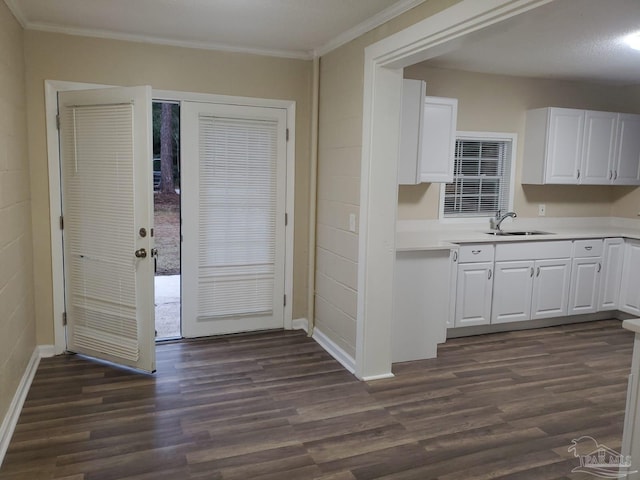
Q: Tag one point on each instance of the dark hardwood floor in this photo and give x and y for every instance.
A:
(276, 406)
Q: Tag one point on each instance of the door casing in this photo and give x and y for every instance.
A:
(52, 87)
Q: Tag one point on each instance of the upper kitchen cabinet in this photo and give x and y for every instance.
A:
(427, 136)
(581, 147)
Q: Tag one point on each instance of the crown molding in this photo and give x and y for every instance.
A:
(384, 16)
(17, 12)
(109, 34)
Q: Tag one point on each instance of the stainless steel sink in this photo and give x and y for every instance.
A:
(517, 233)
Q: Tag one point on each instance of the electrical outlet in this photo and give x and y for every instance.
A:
(542, 210)
(352, 222)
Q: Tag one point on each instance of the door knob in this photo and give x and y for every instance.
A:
(141, 253)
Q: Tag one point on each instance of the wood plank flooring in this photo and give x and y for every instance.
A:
(276, 406)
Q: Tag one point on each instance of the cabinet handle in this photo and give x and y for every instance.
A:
(489, 274)
(588, 248)
(455, 256)
(599, 267)
(610, 174)
(615, 174)
(475, 252)
(578, 174)
(531, 272)
(538, 272)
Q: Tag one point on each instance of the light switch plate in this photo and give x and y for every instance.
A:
(352, 222)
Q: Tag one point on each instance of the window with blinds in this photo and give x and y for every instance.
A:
(482, 180)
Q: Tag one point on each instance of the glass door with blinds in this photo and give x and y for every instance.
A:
(105, 147)
(234, 190)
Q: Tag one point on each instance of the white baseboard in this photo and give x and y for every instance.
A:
(300, 324)
(378, 377)
(46, 351)
(346, 360)
(11, 418)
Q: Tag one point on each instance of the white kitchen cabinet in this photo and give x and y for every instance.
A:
(427, 136)
(473, 294)
(598, 148)
(629, 301)
(553, 145)
(551, 288)
(585, 276)
(611, 274)
(573, 147)
(532, 280)
(512, 287)
(627, 166)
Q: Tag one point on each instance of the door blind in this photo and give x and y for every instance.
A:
(237, 216)
(481, 182)
(98, 204)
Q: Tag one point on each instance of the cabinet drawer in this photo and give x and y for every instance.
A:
(533, 250)
(587, 248)
(482, 252)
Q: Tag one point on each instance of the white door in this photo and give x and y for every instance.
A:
(599, 147)
(564, 147)
(512, 288)
(585, 282)
(233, 190)
(107, 206)
(627, 171)
(473, 294)
(630, 291)
(550, 288)
(611, 274)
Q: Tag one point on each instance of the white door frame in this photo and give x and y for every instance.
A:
(383, 73)
(52, 87)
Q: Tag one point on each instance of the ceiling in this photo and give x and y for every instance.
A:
(289, 28)
(565, 39)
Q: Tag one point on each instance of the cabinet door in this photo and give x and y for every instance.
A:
(438, 139)
(585, 275)
(473, 294)
(627, 164)
(630, 286)
(611, 274)
(512, 286)
(598, 151)
(550, 288)
(453, 281)
(564, 145)
(409, 153)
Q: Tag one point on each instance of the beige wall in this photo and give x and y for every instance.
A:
(81, 59)
(497, 103)
(17, 324)
(339, 157)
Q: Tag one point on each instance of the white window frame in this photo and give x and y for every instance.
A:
(496, 136)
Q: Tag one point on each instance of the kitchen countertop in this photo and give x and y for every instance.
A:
(434, 236)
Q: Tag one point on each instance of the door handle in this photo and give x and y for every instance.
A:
(141, 253)
(599, 267)
(538, 272)
(531, 272)
(490, 273)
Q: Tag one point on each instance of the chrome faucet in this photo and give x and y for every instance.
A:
(495, 222)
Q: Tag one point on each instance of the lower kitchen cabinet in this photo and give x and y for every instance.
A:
(585, 282)
(611, 275)
(512, 287)
(630, 284)
(474, 287)
(551, 288)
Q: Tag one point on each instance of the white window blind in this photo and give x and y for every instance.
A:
(98, 205)
(482, 178)
(237, 216)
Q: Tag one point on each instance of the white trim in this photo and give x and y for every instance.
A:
(46, 351)
(15, 407)
(300, 324)
(383, 74)
(132, 37)
(499, 136)
(378, 377)
(346, 360)
(384, 16)
(52, 87)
